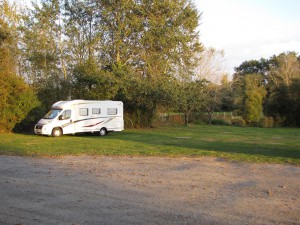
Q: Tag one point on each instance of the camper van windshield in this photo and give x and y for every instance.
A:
(52, 113)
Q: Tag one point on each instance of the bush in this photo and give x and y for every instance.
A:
(219, 122)
(28, 123)
(238, 122)
(266, 122)
(18, 99)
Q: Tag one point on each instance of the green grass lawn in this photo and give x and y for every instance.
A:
(274, 145)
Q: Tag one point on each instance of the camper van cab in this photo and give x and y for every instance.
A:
(82, 116)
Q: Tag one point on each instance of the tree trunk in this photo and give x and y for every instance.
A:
(209, 117)
(186, 119)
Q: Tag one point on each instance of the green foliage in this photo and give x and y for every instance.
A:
(238, 122)
(267, 122)
(250, 93)
(144, 96)
(277, 103)
(92, 82)
(253, 98)
(189, 96)
(253, 106)
(143, 53)
(219, 122)
(131, 51)
(227, 97)
(16, 97)
(261, 67)
(212, 99)
(280, 75)
(294, 96)
(43, 58)
(283, 103)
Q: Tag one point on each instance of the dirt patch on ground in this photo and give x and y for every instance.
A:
(146, 190)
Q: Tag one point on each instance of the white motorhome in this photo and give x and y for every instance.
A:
(82, 116)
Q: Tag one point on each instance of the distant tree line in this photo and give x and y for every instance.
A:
(145, 53)
(270, 87)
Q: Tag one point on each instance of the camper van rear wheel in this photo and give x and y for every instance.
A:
(56, 132)
(103, 132)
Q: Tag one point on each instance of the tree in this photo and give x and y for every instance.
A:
(189, 97)
(210, 65)
(140, 47)
(210, 71)
(294, 102)
(254, 94)
(92, 82)
(261, 66)
(281, 96)
(226, 95)
(16, 97)
(212, 99)
(287, 69)
(278, 74)
(44, 55)
(83, 30)
(132, 51)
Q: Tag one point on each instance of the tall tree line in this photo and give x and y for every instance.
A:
(136, 51)
(145, 53)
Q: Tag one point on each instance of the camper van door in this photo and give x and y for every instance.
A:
(66, 121)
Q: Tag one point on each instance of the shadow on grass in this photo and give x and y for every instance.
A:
(198, 146)
(276, 144)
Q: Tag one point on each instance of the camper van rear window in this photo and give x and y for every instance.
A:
(83, 111)
(112, 111)
(96, 111)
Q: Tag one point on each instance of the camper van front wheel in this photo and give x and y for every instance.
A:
(103, 132)
(56, 132)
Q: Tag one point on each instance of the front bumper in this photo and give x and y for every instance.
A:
(38, 129)
(41, 129)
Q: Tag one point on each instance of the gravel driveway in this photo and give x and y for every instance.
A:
(146, 190)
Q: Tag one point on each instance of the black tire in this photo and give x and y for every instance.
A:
(103, 132)
(57, 132)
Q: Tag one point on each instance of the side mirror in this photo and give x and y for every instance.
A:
(61, 117)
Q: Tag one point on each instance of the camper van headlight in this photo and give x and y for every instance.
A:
(38, 127)
(44, 128)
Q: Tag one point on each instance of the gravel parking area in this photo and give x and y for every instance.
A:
(146, 190)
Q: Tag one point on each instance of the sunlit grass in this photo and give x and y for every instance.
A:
(276, 145)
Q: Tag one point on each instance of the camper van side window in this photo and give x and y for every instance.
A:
(96, 111)
(83, 112)
(66, 114)
(112, 111)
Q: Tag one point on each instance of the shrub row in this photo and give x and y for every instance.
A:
(265, 122)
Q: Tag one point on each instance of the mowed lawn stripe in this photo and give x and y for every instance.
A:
(272, 145)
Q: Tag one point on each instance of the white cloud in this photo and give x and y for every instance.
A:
(249, 29)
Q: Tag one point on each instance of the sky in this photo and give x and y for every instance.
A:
(249, 29)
